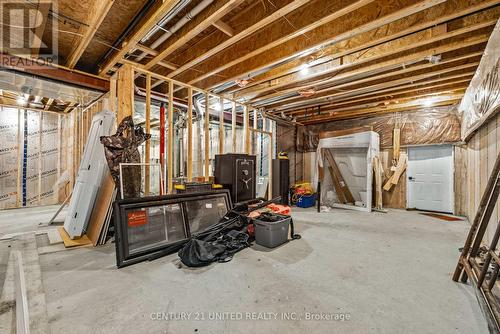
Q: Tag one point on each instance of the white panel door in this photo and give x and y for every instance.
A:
(430, 178)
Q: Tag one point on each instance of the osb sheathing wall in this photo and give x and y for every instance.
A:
(480, 110)
(423, 127)
(475, 162)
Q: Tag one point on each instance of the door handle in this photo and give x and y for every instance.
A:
(411, 178)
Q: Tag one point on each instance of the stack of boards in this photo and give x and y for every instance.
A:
(100, 218)
(89, 212)
(101, 214)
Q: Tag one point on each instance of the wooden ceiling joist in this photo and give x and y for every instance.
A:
(268, 35)
(153, 52)
(224, 27)
(399, 101)
(402, 62)
(408, 43)
(427, 19)
(48, 104)
(193, 28)
(392, 93)
(345, 59)
(367, 37)
(427, 68)
(264, 20)
(421, 84)
(371, 16)
(96, 14)
(344, 90)
(415, 105)
(134, 39)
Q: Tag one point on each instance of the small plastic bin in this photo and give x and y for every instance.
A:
(271, 230)
(306, 201)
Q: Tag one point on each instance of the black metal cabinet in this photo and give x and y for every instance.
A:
(236, 172)
(281, 179)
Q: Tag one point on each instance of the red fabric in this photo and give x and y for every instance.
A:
(251, 230)
(281, 209)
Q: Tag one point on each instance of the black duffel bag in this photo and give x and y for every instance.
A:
(199, 253)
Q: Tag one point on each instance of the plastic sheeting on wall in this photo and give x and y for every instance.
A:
(32, 157)
(482, 98)
(425, 126)
(50, 159)
(28, 171)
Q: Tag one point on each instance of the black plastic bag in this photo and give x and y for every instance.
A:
(199, 253)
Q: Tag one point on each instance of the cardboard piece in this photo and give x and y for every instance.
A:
(101, 208)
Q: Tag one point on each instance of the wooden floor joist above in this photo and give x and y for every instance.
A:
(287, 57)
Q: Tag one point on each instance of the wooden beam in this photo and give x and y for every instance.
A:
(96, 14)
(54, 72)
(246, 125)
(59, 141)
(133, 40)
(255, 123)
(48, 104)
(367, 18)
(390, 90)
(170, 145)
(267, 39)
(222, 132)
(71, 106)
(125, 92)
(265, 20)
(328, 93)
(233, 125)
(402, 45)
(396, 142)
(378, 96)
(341, 188)
(112, 94)
(190, 135)
(40, 131)
(207, 137)
(147, 117)
(392, 32)
(417, 104)
(224, 27)
(153, 52)
(383, 104)
(200, 23)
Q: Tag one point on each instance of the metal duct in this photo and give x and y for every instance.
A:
(188, 17)
(160, 25)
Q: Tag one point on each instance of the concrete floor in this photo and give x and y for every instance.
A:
(386, 273)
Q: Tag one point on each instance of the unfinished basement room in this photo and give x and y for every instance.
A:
(249, 166)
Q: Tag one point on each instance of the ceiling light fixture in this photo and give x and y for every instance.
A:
(428, 102)
(306, 92)
(434, 59)
(242, 82)
(304, 70)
